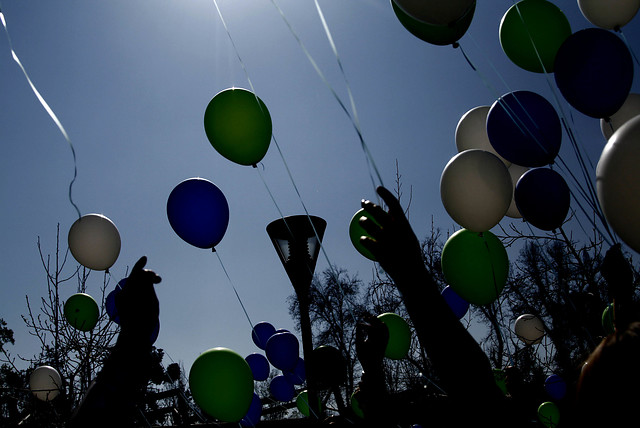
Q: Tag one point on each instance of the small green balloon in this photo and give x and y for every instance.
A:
(356, 231)
(531, 33)
(440, 35)
(549, 414)
(81, 311)
(302, 403)
(501, 380)
(238, 126)
(399, 336)
(475, 265)
(221, 383)
(355, 406)
(607, 319)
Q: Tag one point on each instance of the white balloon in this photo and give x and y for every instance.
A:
(529, 328)
(94, 241)
(437, 12)
(515, 171)
(629, 110)
(45, 383)
(471, 132)
(476, 189)
(609, 14)
(618, 182)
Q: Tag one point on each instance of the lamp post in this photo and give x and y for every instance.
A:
(297, 240)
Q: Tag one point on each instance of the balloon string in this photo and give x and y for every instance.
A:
(48, 109)
(234, 290)
(626, 42)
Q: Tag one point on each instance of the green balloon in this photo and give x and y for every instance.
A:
(549, 414)
(475, 265)
(81, 311)
(607, 319)
(501, 380)
(221, 383)
(531, 33)
(399, 336)
(356, 231)
(302, 403)
(355, 406)
(440, 35)
(238, 126)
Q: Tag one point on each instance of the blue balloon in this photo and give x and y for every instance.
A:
(261, 333)
(110, 302)
(524, 128)
(198, 212)
(254, 413)
(259, 366)
(283, 351)
(543, 198)
(298, 375)
(155, 333)
(556, 387)
(281, 388)
(458, 305)
(594, 72)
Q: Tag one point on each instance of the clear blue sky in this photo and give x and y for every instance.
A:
(130, 81)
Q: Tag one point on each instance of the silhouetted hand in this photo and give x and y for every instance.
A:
(372, 336)
(617, 272)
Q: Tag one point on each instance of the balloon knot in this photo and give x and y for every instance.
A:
(617, 29)
(213, 249)
(255, 165)
(607, 119)
(455, 45)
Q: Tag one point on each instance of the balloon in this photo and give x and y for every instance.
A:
(155, 333)
(399, 336)
(501, 380)
(298, 375)
(607, 320)
(531, 33)
(221, 384)
(110, 302)
(529, 328)
(302, 403)
(81, 311)
(549, 414)
(282, 350)
(355, 406)
(475, 265)
(356, 231)
(45, 383)
(524, 128)
(259, 366)
(543, 198)
(458, 305)
(471, 132)
(515, 171)
(594, 72)
(198, 212)
(261, 333)
(436, 34)
(238, 126)
(629, 110)
(618, 182)
(281, 388)
(254, 413)
(94, 241)
(555, 386)
(609, 14)
(475, 188)
(435, 11)
(329, 367)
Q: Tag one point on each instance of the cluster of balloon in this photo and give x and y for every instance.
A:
(609, 15)
(198, 212)
(433, 21)
(45, 383)
(549, 414)
(475, 265)
(399, 336)
(618, 182)
(94, 241)
(555, 387)
(471, 132)
(112, 309)
(630, 109)
(531, 33)
(543, 198)
(458, 305)
(356, 231)
(81, 311)
(529, 328)
(607, 320)
(238, 125)
(591, 88)
(221, 384)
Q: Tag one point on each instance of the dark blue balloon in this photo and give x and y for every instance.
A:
(259, 366)
(254, 413)
(110, 302)
(524, 128)
(556, 387)
(198, 212)
(283, 351)
(458, 305)
(261, 333)
(543, 198)
(594, 72)
(298, 375)
(155, 333)
(281, 388)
